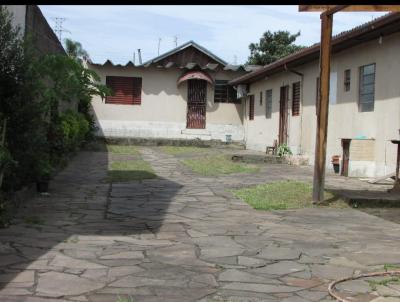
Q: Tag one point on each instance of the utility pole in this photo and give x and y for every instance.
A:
(134, 58)
(58, 28)
(159, 42)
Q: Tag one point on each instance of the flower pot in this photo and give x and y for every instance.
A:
(42, 186)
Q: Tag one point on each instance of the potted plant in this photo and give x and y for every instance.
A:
(43, 174)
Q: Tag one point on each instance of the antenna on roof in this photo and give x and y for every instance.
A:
(176, 41)
(140, 56)
(159, 42)
(58, 28)
(134, 63)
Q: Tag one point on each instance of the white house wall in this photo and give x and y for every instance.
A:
(162, 113)
(345, 121)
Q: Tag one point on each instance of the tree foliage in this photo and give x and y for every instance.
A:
(273, 46)
(33, 88)
(75, 50)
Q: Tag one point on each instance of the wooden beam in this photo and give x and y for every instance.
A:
(323, 108)
(351, 8)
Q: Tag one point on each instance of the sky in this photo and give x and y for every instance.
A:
(116, 32)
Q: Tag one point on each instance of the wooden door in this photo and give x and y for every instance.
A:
(345, 157)
(283, 115)
(197, 102)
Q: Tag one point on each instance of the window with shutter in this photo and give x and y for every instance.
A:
(367, 88)
(125, 90)
(268, 103)
(251, 108)
(347, 80)
(296, 99)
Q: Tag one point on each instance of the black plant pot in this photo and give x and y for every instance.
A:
(336, 168)
(42, 186)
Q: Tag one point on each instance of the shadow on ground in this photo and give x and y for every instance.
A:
(84, 217)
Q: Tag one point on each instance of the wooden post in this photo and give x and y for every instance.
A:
(322, 117)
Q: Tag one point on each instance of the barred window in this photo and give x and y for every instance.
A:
(347, 75)
(251, 108)
(224, 93)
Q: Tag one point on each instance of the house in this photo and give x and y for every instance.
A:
(182, 94)
(364, 108)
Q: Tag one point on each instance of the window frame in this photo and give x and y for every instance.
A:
(251, 107)
(228, 96)
(360, 87)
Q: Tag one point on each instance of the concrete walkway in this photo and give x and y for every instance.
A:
(181, 237)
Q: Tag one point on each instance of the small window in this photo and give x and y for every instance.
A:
(261, 98)
(367, 88)
(296, 99)
(251, 108)
(224, 93)
(268, 103)
(125, 90)
(317, 100)
(347, 74)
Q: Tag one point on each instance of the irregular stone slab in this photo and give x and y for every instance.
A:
(25, 276)
(387, 291)
(233, 275)
(69, 262)
(132, 281)
(354, 286)
(218, 246)
(281, 268)
(251, 262)
(330, 272)
(125, 255)
(261, 288)
(206, 279)
(56, 284)
(120, 271)
(279, 253)
(179, 254)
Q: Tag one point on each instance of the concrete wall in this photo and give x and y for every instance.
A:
(18, 12)
(162, 112)
(345, 121)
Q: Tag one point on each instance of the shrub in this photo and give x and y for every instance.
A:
(284, 150)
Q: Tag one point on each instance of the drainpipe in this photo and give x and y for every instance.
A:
(301, 102)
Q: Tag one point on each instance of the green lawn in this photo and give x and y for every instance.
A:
(218, 165)
(122, 149)
(128, 170)
(178, 150)
(284, 195)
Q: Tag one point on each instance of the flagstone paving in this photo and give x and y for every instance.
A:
(184, 237)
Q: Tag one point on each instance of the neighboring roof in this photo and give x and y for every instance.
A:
(166, 60)
(381, 26)
(182, 47)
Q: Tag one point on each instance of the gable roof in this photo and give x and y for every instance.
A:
(182, 47)
(384, 25)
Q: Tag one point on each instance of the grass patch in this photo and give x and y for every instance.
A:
(284, 195)
(179, 150)
(218, 165)
(122, 149)
(374, 284)
(128, 170)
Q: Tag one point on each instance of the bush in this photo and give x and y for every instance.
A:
(69, 132)
(284, 150)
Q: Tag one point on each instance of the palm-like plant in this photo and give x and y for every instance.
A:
(75, 50)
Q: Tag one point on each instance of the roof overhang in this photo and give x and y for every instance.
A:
(382, 26)
(195, 75)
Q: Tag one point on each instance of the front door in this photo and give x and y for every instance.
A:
(197, 102)
(283, 115)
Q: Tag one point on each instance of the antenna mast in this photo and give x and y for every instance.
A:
(58, 28)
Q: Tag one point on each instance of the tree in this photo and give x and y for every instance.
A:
(272, 47)
(75, 50)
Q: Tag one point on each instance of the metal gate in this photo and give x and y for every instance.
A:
(197, 102)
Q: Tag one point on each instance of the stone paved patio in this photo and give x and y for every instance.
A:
(182, 237)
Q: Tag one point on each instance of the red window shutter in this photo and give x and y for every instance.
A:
(296, 99)
(126, 90)
(251, 109)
